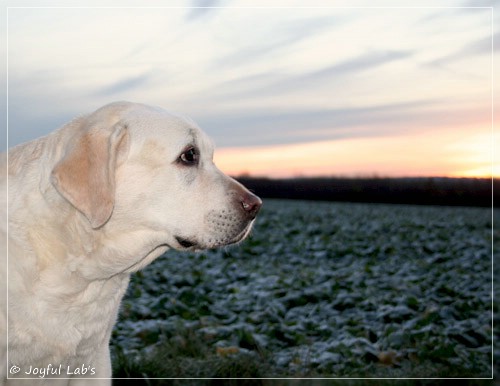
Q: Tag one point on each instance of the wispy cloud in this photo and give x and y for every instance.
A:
(482, 3)
(201, 8)
(363, 62)
(271, 39)
(125, 85)
(277, 83)
(306, 125)
(481, 46)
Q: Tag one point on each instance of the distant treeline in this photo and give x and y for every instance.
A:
(419, 191)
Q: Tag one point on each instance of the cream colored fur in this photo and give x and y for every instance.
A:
(88, 205)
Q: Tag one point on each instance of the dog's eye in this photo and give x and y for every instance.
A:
(189, 157)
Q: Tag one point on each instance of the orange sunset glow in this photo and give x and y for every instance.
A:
(420, 155)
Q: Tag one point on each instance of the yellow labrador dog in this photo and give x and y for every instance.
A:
(89, 204)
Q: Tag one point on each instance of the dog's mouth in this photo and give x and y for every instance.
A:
(185, 243)
(214, 241)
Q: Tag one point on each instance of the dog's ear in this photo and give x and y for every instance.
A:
(86, 174)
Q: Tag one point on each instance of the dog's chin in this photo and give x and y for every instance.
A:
(215, 241)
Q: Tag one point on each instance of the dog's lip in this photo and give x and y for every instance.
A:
(185, 243)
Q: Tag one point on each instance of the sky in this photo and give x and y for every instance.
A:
(336, 88)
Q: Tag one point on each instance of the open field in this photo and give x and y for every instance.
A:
(321, 290)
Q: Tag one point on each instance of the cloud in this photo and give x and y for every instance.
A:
(268, 127)
(200, 8)
(481, 3)
(25, 127)
(478, 47)
(125, 85)
(276, 37)
(363, 62)
(274, 83)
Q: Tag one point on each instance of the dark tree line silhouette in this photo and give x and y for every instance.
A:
(418, 191)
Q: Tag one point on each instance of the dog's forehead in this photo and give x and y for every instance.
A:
(172, 132)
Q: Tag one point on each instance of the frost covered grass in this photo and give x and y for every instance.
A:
(320, 290)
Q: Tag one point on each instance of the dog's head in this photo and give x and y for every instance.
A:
(137, 166)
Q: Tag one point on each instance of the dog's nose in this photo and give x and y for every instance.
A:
(251, 204)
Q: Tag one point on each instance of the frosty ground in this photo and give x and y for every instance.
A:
(320, 289)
